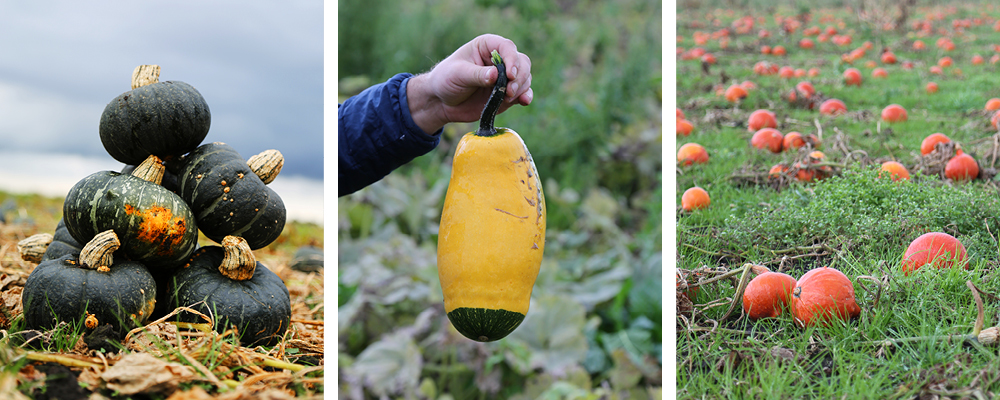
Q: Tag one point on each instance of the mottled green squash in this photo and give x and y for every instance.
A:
(155, 226)
(228, 197)
(166, 119)
(227, 283)
(66, 289)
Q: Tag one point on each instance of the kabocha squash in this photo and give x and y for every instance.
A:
(155, 226)
(114, 290)
(229, 196)
(166, 119)
(229, 284)
(492, 232)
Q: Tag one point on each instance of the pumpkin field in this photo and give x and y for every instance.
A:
(826, 139)
(594, 326)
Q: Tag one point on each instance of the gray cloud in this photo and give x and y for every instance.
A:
(258, 64)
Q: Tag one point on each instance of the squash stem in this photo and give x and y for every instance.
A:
(151, 169)
(266, 165)
(238, 263)
(145, 75)
(98, 252)
(33, 248)
(486, 127)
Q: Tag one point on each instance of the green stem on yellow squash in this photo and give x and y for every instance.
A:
(486, 127)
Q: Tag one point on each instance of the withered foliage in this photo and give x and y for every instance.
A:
(162, 358)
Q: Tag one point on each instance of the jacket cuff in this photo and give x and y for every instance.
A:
(408, 121)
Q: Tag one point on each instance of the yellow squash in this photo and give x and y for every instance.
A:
(492, 232)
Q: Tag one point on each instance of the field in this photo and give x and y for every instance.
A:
(595, 324)
(914, 337)
(69, 362)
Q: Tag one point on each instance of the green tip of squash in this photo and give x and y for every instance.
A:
(495, 56)
(484, 325)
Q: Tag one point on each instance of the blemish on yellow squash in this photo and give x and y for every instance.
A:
(492, 232)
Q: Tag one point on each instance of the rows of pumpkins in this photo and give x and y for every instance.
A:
(126, 249)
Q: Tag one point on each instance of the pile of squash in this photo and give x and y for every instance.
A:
(126, 250)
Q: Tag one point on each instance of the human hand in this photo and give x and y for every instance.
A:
(457, 88)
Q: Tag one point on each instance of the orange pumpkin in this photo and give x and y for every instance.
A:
(691, 153)
(767, 294)
(961, 168)
(767, 138)
(895, 170)
(993, 104)
(936, 248)
(894, 113)
(761, 119)
(684, 127)
(822, 295)
(852, 77)
(927, 146)
(695, 198)
(832, 107)
(735, 93)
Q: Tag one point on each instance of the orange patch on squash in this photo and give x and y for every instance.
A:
(158, 225)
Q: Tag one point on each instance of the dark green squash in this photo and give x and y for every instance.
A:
(166, 119)
(155, 225)
(227, 195)
(62, 244)
(66, 289)
(229, 284)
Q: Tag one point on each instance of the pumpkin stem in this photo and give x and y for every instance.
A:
(151, 169)
(33, 247)
(267, 165)
(99, 251)
(486, 127)
(238, 263)
(145, 75)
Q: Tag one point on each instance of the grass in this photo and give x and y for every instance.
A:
(853, 221)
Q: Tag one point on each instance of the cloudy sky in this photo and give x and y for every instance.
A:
(258, 64)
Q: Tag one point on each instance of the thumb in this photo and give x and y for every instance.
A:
(474, 76)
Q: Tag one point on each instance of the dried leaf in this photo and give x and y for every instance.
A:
(8, 388)
(143, 373)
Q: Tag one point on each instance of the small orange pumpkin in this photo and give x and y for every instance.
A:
(822, 295)
(894, 113)
(895, 170)
(691, 153)
(761, 119)
(936, 248)
(767, 294)
(961, 168)
(695, 198)
(767, 138)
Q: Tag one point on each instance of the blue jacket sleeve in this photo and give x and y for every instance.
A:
(376, 134)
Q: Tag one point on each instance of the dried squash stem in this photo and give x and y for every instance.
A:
(33, 247)
(98, 252)
(267, 165)
(145, 75)
(239, 262)
(151, 169)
